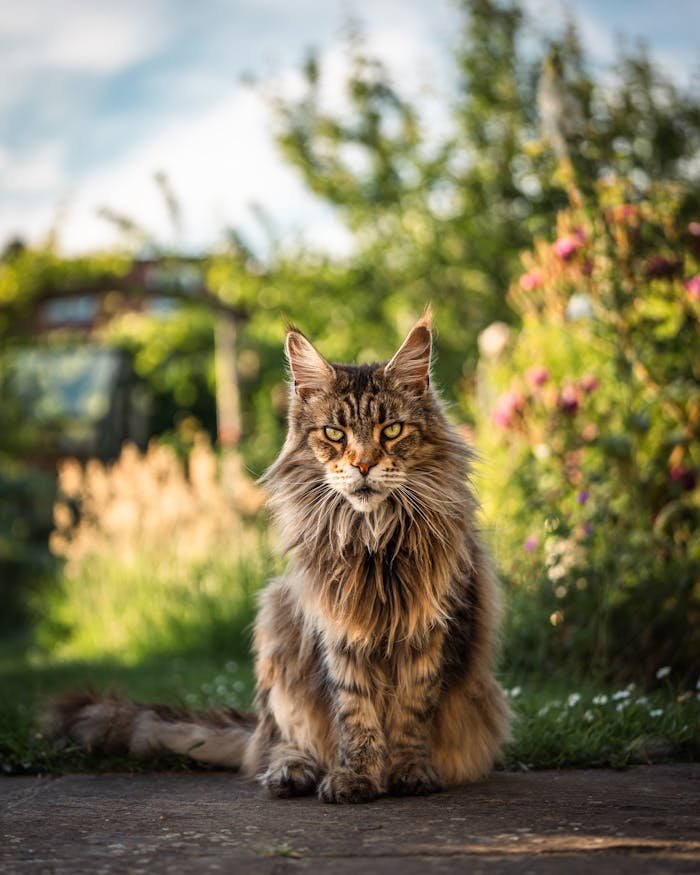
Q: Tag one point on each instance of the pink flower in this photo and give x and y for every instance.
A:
(692, 287)
(507, 408)
(536, 376)
(694, 229)
(589, 383)
(530, 544)
(566, 246)
(531, 280)
(568, 399)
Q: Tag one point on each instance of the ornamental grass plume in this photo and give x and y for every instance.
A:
(147, 504)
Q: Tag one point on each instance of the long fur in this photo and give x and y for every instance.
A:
(375, 649)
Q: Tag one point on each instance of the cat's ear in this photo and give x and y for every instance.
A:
(411, 364)
(311, 372)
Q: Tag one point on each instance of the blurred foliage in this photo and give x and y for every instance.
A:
(590, 425)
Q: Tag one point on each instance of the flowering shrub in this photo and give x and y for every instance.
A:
(589, 426)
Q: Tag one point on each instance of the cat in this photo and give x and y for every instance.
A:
(375, 649)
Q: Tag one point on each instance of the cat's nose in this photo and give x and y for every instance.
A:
(363, 467)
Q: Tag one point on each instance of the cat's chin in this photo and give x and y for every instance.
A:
(365, 502)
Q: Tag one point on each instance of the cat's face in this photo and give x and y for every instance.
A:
(365, 425)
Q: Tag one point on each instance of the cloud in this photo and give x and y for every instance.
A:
(75, 36)
(219, 163)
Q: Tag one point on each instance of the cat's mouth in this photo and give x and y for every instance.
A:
(366, 498)
(365, 491)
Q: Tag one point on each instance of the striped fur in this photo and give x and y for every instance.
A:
(375, 649)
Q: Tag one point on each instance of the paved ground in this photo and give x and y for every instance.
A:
(643, 820)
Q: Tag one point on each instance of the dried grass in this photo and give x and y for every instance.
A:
(150, 504)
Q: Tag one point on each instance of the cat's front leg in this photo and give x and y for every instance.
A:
(358, 773)
(417, 680)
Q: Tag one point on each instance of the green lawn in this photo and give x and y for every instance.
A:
(556, 725)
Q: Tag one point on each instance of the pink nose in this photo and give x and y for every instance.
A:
(363, 467)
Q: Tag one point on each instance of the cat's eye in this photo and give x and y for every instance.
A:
(392, 431)
(334, 434)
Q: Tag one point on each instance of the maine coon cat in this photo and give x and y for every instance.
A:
(375, 649)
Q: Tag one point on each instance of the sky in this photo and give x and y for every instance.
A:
(100, 95)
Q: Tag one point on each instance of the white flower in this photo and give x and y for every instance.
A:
(620, 694)
(621, 706)
(663, 672)
(494, 339)
(515, 692)
(697, 684)
(600, 699)
(588, 716)
(642, 700)
(579, 307)
(573, 699)
(541, 451)
(657, 712)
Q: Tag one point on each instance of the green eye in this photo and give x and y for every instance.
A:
(334, 434)
(393, 430)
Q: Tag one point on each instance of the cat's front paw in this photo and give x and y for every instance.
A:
(292, 778)
(344, 786)
(414, 779)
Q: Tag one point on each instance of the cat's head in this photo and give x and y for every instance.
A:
(368, 426)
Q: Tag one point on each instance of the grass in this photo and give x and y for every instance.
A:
(556, 725)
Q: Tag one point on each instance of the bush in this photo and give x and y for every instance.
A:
(589, 420)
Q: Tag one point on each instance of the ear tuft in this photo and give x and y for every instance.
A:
(311, 372)
(411, 364)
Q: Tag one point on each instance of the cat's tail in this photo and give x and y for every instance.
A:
(111, 724)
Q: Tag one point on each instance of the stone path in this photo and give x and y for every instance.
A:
(642, 820)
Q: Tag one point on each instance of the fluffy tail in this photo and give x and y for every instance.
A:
(112, 725)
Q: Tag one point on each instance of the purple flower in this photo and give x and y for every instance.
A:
(567, 245)
(530, 544)
(589, 383)
(582, 497)
(536, 376)
(686, 478)
(692, 287)
(659, 267)
(587, 528)
(568, 399)
(531, 280)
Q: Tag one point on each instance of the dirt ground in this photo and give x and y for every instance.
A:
(646, 819)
